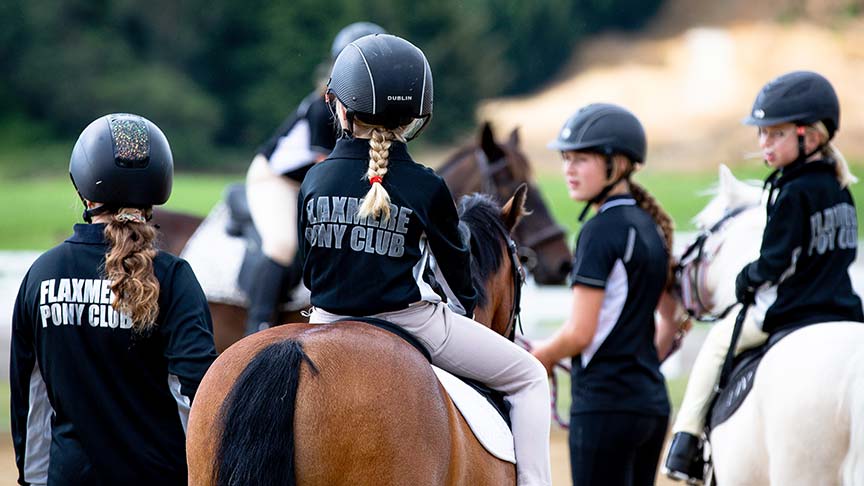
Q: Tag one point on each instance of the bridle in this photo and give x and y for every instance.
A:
(692, 268)
(518, 275)
(489, 185)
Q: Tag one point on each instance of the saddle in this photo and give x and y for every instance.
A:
(476, 402)
(727, 401)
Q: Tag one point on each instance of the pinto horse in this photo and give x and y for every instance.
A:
(803, 420)
(497, 169)
(348, 403)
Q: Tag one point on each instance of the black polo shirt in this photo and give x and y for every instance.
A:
(93, 403)
(622, 251)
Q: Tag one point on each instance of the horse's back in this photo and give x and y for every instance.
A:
(374, 413)
(797, 419)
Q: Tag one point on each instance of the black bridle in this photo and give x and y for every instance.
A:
(518, 275)
(692, 268)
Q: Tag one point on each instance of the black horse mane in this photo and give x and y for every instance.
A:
(482, 215)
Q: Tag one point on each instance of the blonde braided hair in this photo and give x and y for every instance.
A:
(377, 201)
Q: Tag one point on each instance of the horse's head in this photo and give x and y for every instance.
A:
(495, 265)
(498, 169)
(730, 233)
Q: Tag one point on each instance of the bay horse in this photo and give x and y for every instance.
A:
(541, 241)
(803, 421)
(348, 403)
(497, 169)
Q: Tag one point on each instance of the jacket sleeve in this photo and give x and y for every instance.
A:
(22, 370)
(782, 240)
(189, 332)
(452, 255)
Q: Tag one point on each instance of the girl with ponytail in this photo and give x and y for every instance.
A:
(373, 220)
(622, 273)
(110, 336)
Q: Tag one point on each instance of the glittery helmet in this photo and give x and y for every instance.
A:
(122, 160)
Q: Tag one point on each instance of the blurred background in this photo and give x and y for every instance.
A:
(219, 76)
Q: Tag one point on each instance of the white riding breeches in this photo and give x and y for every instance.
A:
(466, 348)
(273, 205)
(707, 368)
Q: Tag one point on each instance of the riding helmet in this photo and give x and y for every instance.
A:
(352, 32)
(603, 128)
(384, 80)
(122, 160)
(800, 97)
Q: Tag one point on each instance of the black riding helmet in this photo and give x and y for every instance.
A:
(603, 128)
(352, 32)
(384, 80)
(800, 97)
(122, 160)
(606, 129)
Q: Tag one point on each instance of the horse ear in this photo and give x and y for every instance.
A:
(513, 141)
(488, 145)
(514, 209)
(728, 182)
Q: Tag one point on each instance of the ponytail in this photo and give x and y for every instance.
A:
(830, 151)
(650, 205)
(377, 201)
(129, 267)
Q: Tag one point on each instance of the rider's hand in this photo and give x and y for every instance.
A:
(745, 289)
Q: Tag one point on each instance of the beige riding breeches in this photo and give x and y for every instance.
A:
(273, 205)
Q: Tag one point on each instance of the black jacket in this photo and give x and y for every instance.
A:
(809, 242)
(93, 403)
(355, 266)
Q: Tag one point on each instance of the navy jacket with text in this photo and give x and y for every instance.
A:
(92, 401)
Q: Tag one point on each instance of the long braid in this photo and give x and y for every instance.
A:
(650, 205)
(377, 201)
(129, 267)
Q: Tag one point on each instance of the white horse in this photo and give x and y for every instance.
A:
(803, 421)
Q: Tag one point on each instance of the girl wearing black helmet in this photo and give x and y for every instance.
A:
(621, 274)
(802, 274)
(372, 219)
(110, 337)
(307, 136)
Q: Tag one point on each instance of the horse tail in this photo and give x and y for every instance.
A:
(853, 463)
(256, 445)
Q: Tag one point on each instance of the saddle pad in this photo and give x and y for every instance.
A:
(216, 258)
(486, 423)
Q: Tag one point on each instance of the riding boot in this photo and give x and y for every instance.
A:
(267, 288)
(684, 462)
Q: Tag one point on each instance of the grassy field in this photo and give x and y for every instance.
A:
(36, 213)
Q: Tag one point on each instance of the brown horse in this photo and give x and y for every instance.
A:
(366, 408)
(497, 169)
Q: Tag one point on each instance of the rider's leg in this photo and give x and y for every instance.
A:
(466, 348)
(273, 206)
(704, 376)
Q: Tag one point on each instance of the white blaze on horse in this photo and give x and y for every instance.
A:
(803, 421)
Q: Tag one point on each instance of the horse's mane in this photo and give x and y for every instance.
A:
(482, 215)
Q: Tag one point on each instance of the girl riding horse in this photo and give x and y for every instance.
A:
(802, 274)
(373, 219)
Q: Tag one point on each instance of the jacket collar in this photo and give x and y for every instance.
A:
(789, 173)
(88, 234)
(358, 148)
(617, 200)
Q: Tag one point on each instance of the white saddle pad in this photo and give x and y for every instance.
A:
(487, 424)
(216, 257)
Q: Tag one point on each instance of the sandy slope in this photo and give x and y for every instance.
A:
(692, 75)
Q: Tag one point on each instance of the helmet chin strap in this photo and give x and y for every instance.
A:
(801, 159)
(601, 196)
